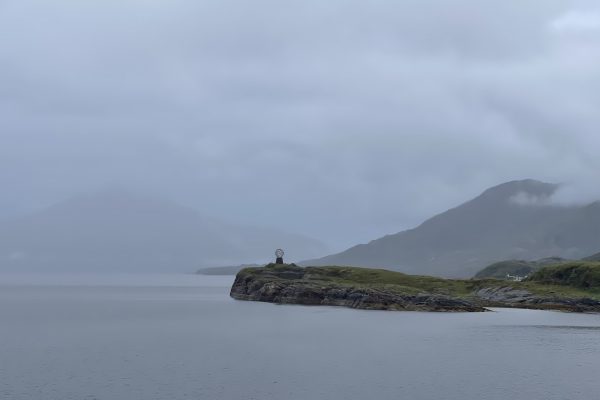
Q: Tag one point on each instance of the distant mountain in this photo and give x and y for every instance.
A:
(515, 220)
(119, 231)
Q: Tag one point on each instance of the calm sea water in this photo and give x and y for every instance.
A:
(182, 337)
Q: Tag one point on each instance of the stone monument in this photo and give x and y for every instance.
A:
(279, 256)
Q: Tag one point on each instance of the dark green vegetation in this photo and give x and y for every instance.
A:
(501, 269)
(578, 290)
(515, 220)
(578, 274)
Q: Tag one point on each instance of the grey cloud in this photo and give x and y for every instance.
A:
(343, 120)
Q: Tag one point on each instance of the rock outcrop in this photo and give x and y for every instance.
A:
(296, 285)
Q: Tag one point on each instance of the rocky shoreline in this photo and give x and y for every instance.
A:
(290, 284)
(507, 296)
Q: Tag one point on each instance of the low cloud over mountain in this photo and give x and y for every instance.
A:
(515, 220)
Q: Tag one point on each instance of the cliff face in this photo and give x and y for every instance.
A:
(385, 290)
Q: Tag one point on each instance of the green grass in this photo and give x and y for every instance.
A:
(389, 280)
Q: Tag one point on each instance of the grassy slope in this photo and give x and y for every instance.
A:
(413, 284)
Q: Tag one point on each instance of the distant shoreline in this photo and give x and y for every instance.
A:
(229, 270)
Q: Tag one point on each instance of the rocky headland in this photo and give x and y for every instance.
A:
(377, 289)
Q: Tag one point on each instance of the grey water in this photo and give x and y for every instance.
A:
(181, 337)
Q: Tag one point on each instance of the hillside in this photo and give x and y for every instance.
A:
(515, 220)
(501, 269)
(120, 231)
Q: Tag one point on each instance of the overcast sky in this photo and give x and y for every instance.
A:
(343, 120)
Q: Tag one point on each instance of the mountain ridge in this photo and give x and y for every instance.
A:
(513, 220)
